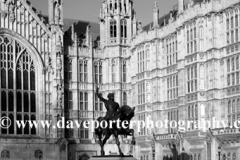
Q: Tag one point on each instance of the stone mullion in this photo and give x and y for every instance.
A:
(14, 85)
(0, 85)
(7, 89)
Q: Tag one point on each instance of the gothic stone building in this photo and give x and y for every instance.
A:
(182, 66)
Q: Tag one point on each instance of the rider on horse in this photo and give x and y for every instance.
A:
(110, 105)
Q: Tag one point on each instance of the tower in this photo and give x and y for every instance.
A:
(156, 16)
(180, 6)
(116, 22)
(117, 27)
(55, 12)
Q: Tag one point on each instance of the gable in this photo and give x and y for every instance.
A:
(18, 16)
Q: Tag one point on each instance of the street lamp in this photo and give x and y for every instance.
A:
(219, 152)
(183, 151)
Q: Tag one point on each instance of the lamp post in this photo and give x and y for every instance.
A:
(183, 151)
(219, 152)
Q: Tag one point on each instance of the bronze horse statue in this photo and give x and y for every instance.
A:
(124, 113)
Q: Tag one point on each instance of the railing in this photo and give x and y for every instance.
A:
(226, 131)
(165, 136)
(86, 114)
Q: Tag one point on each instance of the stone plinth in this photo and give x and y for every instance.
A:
(112, 157)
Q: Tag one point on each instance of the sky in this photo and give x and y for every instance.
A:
(89, 9)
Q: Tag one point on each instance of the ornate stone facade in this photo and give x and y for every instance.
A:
(182, 66)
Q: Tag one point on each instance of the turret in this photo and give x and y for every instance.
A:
(116, 22)
(180, 6)
(55, 12)
(156, 16)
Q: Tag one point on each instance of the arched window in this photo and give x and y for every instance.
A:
(124, 28)
(228, 65)
(224, 157)
(148, 59)
(237, 63)
(86, 101)
(70, 71)
(199, 156)
(233, 64)
(233, 106)
(227, 24)
(189, 112)
(124, 98)
(238, 105)
(23, 84)
(193, 111)
(113, 73)
(232, 22)
(201, 32)
(113, 28)
(229, 107)
(191, 157)
(229, 156)
(124, 72)
(70, 100)
(85, 71)
(81, 101)
(236, 21)
(228, 80)
(196, 111)
(195, 157)
(5, 154)
(84, 130)
(234, 156)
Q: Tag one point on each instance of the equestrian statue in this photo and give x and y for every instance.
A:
(114, 113)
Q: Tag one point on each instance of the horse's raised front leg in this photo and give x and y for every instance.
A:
(118, 143)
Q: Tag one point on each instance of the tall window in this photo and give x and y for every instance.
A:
(148, 59)
(70, 100)
(172, 87)
(123, 28)
(191, 39)
(98, 72)
(113, 73)
(124, 72)
(83, 71)
(232, 30)
(70, 71)
(124, 98)
(98, 104)
(201, 37)
(17, 93)
(192, 79)
(113, 28)
(83, 101)
(84, 131)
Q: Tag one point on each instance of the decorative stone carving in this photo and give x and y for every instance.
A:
(57, 13)
(11, 11)
(60, 92)
(59, 66)
(59, 44)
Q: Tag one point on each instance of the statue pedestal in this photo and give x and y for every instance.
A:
(112, 157)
